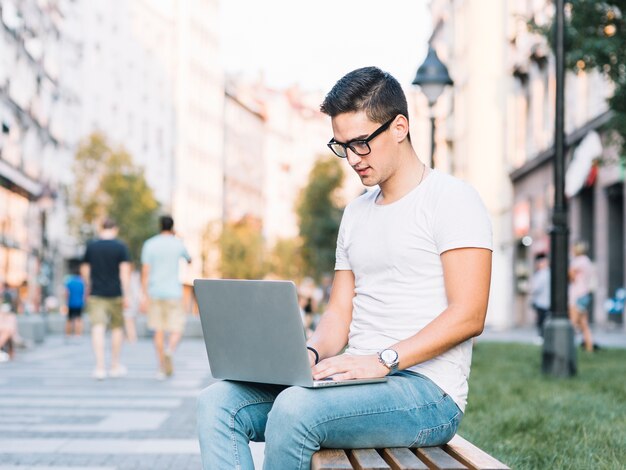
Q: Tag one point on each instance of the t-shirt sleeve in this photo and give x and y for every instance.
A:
(145, 253)
(341, 256)
(461, 220)
(125, 254)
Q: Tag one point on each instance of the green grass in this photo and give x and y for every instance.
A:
(532, 421)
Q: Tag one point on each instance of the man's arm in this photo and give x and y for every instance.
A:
(467, 276)
(85, 272)
(145, 275)
(186, 255)
(331, 335)
(125, 280)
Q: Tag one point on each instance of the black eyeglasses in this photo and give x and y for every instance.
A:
(359, 146)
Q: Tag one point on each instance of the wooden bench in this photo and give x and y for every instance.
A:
(458, 454)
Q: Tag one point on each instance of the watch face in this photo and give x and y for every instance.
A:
(389, 356)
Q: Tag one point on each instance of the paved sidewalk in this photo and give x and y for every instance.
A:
(53, 415)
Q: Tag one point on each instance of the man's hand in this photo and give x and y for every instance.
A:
(345, 367)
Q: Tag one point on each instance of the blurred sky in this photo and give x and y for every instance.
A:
(314, 43)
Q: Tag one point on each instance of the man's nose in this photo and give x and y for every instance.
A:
(353, 158)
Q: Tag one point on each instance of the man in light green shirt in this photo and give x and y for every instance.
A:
(162, 291)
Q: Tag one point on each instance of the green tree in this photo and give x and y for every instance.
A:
(107, 183)
(595, 38)
(285, 259)
(242, 250)
(319, 211)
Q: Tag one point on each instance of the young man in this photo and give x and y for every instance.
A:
(106, 272)
(161, 287)
(410, 290)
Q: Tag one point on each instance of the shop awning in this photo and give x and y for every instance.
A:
(589, 149)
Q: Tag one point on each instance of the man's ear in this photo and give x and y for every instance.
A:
(400, 128)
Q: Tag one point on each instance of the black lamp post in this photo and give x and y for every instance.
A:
(432, 77)
(559, 352)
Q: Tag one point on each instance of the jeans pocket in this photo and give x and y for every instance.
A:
(438, 435)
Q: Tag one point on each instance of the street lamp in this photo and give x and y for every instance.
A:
(432, 77)
(559, 352)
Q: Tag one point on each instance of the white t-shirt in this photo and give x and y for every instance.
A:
(394, 252)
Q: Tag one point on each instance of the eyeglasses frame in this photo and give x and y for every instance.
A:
(366, 141)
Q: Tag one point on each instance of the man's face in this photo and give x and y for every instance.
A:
(376, 167)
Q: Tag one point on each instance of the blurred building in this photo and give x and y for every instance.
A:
(295, 129)
(471, 126)
(39, 114)
(244, 155)
(272, 139)
(153, 83)
(498, 131)
(126, 90)
(593, 181)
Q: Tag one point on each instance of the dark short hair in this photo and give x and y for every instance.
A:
(109, 223)
(367, 89)
(167, 223)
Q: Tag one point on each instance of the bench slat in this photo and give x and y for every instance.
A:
(330, 459)
(435, 457)
(367, 459)
(472, 456)
(403, 459)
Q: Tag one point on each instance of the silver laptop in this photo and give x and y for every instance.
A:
(253, 332)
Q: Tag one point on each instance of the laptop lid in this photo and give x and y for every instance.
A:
(253, 331)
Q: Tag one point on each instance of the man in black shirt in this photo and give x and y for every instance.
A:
(106, 270)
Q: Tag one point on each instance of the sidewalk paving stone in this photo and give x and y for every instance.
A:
(54, 415)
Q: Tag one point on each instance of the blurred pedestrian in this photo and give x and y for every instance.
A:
(582, 280)
(74, 301)
(8, 332)
(162, 292)
(540, 290)
(9, 296)
(309, 296)
(106, 271)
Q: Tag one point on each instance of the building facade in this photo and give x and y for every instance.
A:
(152, 82)
(126, 89)
(499, 137)
(39, 112)
(593, 181)
(471, 126)
(244, 157)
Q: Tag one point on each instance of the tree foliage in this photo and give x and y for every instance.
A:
(285, 259)
(242, 250)
(319, 211)
(595, 38)
(108, 184)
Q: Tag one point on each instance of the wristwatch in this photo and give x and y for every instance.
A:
(389, 358)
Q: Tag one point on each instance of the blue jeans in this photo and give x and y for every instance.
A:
(409, 410)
